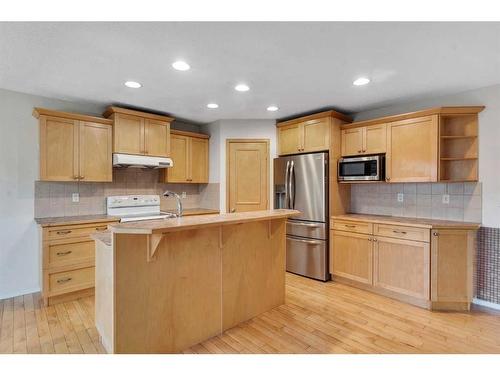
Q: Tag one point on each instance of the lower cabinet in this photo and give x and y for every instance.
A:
(427, 267)
(68, 261)
(353, 256)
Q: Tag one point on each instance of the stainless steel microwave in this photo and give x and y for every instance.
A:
(362, 168)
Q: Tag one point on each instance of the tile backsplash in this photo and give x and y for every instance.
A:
(55, 198)
(419, 200)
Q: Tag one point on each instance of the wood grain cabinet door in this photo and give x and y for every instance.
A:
(352, 141)
(351, 256)
(290, 139)
(128, 134)
(156, 138)
(375, 139)
(58, 149)
(198, 161)
(180, 156)
(95, 152)
(316, 135)
(402, 266)
(412, 150)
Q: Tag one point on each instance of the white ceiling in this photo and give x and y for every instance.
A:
(300, 67)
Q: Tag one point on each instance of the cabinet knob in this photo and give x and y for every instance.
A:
(388, 179)
(233, 210)
(360, 151)
(369, 239)
(375, 240)
(435, 234)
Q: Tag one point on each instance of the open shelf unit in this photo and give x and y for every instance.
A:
(458, 147)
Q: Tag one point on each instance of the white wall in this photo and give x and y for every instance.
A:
(222, 130)
(489, 139)
(19, 249)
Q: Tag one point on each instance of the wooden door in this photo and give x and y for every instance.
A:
(156, 138)
(352, 141)
(375, 139)
(316, 135)
(289, 139)
(95, 156)
(452, 265)
(412, 150)
(402, 266)
(128, 134)
(351, 256)
(198, 161)
(58, 149)
(180, 156)
(247, 164)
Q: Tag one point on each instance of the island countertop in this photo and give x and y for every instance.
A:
(194, 222)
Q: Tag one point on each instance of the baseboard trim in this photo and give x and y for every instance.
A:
(490, 305)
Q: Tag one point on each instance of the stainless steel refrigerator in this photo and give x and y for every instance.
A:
(301, 183)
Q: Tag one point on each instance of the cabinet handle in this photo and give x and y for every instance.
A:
(75, 177)
(350, 226)
(388, 179)
(360, 151)
(61, 253)
(399, 231)
(81, 177)
(100, 229)
(375, 240)
(435, 234)
(63, 232)
(233, 210)
(62, 281)
(369, 239)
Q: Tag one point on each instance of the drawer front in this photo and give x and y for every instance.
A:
(75, 231)
(303, 229)
(70, 253)
(353, 226)
(71, 280)
(402, 232)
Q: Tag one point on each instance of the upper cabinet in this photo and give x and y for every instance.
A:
(139, 133)
(365, 140)
(74, 147)
(437, 144)
(307, 134)
(189, 152)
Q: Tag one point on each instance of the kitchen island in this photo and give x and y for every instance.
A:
(165, 285)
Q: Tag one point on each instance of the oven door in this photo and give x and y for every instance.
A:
(366, 168)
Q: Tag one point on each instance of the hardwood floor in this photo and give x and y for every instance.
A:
(317, 318)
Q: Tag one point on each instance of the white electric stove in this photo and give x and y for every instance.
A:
(136, 208)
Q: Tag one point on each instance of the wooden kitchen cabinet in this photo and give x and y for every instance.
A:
(351, 256)
(366, 140)
(74, 147)
(307, 134)
(139, 133)
(412, 150)
(189, 154)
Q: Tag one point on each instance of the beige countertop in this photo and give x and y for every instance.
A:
(197, 221)
(196, 211)
(70, 220)
(395, 220)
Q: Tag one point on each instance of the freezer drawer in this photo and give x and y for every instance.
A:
(307, 257)
(306, 229)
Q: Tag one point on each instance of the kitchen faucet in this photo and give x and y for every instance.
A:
(169, 193)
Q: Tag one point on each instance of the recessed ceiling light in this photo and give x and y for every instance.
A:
(133, 84)
(272, 108)
(361, 81)
(181, 65)
(212, 105)
(241, 87)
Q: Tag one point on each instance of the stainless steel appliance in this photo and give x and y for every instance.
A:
(301, 183)
(136, 208)
(362, 168)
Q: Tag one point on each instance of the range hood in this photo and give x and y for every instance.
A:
(141, 161)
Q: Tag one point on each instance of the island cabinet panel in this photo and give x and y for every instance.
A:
(412, 150)
(351, 256)
(452, 268)
(253, 270)
(402, 266)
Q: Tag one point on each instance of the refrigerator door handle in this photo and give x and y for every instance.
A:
(287, 205)
(291, 185)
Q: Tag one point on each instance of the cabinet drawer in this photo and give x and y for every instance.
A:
(67, 253)
(75, 231)
(353, 226)
(402, 232)
(68, 281)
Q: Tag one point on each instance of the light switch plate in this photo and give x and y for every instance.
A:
(75, 197)
(446, 199)
(400, 197)
(183, 195)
